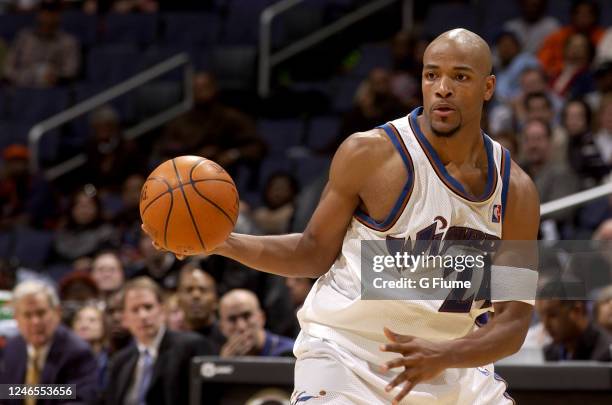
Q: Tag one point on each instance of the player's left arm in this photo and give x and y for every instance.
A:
(500, 337)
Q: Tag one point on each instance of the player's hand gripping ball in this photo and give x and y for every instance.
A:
(189, 205)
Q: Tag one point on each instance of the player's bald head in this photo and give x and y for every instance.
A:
(468, 47)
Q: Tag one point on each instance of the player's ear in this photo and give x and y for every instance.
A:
(489, 87)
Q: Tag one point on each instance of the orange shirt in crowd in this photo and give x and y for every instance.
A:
(551, 51)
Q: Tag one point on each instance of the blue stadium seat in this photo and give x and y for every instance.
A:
(373, 56)
(191, 29)
(234, 66)
(131, 28)
(13, 132)
(494, 15)
(560, 9)
(343, 92)
(309, 168)
(86, 90)
(322, 131)
(34, 105)
(33, 247)
(280, 135)
(11, 24)
(110, 64)
(81, 25)
(446, 16)
(242, 24)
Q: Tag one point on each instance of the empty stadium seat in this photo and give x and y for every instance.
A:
(11, 24)
(446, 16)
(81, 25)
(13, 132)
(34, 105)
(241, 26)
(234, 66)
(373, 56)
(130, 28)
(322, 131)
(33, 247)
(280, 135)
(343, 93)
(191, 29)
(110, 64)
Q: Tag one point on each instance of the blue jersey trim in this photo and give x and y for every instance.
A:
(440, 169)
(395, 138)
(505, 180)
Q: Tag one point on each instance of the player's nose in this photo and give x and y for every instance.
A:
(444, 89)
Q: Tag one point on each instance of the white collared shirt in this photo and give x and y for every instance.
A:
(153, 349)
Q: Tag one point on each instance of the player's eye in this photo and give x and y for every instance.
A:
(461, 77)
(430, 75)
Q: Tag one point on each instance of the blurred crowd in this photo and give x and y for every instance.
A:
(108, 312)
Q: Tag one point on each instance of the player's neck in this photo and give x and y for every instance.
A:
(464, 147)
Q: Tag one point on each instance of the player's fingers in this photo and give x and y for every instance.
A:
(399, 362)
(396, 381)
(402, 348)
(405, 390)
(396, 337)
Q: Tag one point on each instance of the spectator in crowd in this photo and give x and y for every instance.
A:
(509, 63)
(46, 352)
(25, 199)
(76, 289)
(538, 106)
(406, 73)
(575, 78)
(127, 220)
(533, 80)
(584, 157)
(603, 85)
(574, 336)
(279, 194)
(156, 369)
(110, 158)
(83, 232)
(603, 137)
(135, 6)
(118, 336)
(197, 297)
(212, 130)
(533, 26)
(553, 180)
(508, 140)
(584, 16)
(603, 309)
(107, 272)
(374, 103)
(593, 219)
(161, 266)
(44, 56)
(88, 324)
(175, 316)
(603, 53)
(242, 322)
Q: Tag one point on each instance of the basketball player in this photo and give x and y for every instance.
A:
(433, 168)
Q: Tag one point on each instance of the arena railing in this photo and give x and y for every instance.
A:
(575, 200)
(39, 130)
(269, 59)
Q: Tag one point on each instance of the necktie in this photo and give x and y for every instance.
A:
(33, 374)
(145, 377)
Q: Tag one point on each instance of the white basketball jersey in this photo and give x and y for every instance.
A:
(432, 205)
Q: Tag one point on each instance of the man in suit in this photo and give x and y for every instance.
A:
(155, 369)
(46, 352)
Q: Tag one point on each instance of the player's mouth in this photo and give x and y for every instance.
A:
(443, 110)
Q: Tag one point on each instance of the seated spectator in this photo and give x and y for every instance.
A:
(242, 323)
(584, 16)
(83, 232)
(127, 219)
(197, 297)
(539, 106)
(155, 370)
(574, 336)
(163, 267)
(406, 73)
(603, 309)
(575, 79)
(76, 290)
(553, 180)
(25, 199)
(509, 62)
(46, 352)
(603, 53)
(534, 81)
(135, 6)
(603, 85)
(88, 324)
(110, 157)
(175, 316)
(533, 26)
(107, 272)
(212, 130)
(583, 155)
(374, 103)
(603, 137)
(118, 336)
(44, 56)
(279, 194)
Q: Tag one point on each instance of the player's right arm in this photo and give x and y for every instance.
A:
(311, 253)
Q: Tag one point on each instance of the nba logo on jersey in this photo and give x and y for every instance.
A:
(496, 213)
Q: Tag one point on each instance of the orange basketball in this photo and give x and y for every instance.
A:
(189, 205)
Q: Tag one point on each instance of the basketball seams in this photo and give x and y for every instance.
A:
(178, 176)
(211, 202)
(167, 221)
